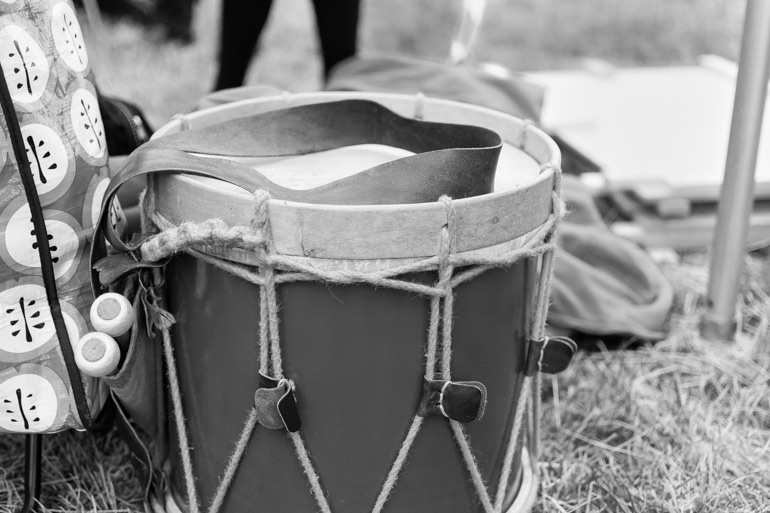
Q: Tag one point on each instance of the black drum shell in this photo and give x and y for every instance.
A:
(356, 354)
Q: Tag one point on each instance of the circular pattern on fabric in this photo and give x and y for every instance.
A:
(32, 400)
(117, 217)
(93, 202)
(68, 37)
(50, 161)
(19, 248)
(73, 321)
(87, 126)
(4, 145)
(24, 64)
(27, 330)
(26, 326)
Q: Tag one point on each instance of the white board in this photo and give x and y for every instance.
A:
(662, 131)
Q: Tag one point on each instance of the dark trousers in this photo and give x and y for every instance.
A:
(243, 21)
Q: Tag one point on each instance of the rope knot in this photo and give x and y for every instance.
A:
(164, 319)
(210, 233)
(156, 317)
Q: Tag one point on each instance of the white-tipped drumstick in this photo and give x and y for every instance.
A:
(113, 314)
(97, 354)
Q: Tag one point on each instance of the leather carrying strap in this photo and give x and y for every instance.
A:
(454, 160)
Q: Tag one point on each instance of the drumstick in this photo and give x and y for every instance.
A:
(113, 314)
(97, 354)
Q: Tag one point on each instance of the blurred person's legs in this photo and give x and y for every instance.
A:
(242, 23)
(176, 16)
(337, 22)
(244, 20)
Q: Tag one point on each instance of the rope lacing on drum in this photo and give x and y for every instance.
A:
(196, 238)
(270, 348)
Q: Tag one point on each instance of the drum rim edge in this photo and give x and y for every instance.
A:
(523, 503)
(180, 121)
(521, 209)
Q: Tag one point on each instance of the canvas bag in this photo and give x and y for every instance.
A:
(603, 285)
(49, 206)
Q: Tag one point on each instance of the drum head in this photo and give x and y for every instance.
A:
(304, 172)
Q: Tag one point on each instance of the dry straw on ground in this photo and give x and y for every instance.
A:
(681, 427)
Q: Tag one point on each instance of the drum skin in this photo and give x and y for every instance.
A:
(356, 355)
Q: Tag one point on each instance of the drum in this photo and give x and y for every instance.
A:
(369, 313)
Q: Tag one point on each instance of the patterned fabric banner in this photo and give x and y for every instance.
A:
(48, 73)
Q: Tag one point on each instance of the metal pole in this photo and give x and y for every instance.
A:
(464, 38)
(737, 196)
(33, 463)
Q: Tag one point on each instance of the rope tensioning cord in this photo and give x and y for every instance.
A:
(186, 237)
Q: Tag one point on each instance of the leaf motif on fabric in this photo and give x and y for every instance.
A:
(19, 244)
(25, 64)
(32, 400)
(87, 123)
(26, 325)
(49, 160)
(68, 37)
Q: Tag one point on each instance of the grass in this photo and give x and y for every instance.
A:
(680, 427)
